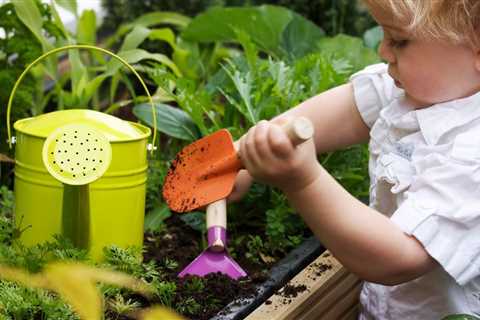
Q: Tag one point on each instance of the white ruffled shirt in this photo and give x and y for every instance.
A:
(425, 175)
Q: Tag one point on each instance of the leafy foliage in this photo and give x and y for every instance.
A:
(203, 83)
(18, 48)
(249, 88)
(276, 30)
(334, 16)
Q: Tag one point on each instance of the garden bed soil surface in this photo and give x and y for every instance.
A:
(182, 244)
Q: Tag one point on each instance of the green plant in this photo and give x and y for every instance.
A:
(255, 248)
(122, 306)
(7, 202)
(165, 291)
(194, 284)
(189, 306)
(170, 264)
(75, 283)
(18, 47)
(156, 210)
(282, 225)
(18, 302)
(128, 261)
(349, 167)
(334, 16)
(275, 30)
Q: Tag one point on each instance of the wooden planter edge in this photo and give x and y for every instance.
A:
(331, 294)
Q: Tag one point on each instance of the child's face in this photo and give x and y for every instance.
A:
(430, 71)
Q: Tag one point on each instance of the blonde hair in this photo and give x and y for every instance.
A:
(455, 20)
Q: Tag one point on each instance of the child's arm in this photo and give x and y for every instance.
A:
(364, 240)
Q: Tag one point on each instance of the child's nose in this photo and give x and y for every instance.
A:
(385, 52)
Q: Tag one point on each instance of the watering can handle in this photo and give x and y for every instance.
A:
(79, 46)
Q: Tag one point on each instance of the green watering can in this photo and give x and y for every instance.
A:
(80, 173)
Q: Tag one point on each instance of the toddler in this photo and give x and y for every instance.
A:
(417, 245)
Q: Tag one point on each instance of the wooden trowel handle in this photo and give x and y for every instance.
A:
(217, 214)
(299, 130)
(217, 219)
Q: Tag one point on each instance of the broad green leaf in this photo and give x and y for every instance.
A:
(131, 42)
(271, 28)
(171, 121)
(163, 95)
(80, 91)
(348, 48)
(135, 38)
(187, 58)
(372, 37)
(265, 24)
(136, 55)
(164, 34)
(114, 82)
(91, 88)
(157, 18)
(150, 20)
(70, 5)
(79, 75)
(155, 218)
(66, 99)
(58, 21)
(87, 28)
(300, 38)
(28, 12)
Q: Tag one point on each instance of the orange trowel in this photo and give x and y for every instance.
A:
(203, 174)
(205, 171)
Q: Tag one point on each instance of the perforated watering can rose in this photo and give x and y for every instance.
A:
(80, 173)
(77, 154)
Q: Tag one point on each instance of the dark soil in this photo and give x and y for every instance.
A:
(291, 291)
(182, 244)
(318, 269)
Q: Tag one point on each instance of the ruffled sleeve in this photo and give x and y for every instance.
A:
(442, 210)
(373, 89)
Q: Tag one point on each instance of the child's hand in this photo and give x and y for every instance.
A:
(242, 183)
(270, 157)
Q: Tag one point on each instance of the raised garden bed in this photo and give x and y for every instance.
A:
(234, 299)
(308, 283)
(324, 290)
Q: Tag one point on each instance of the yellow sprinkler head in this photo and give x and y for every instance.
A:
(77, 154)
